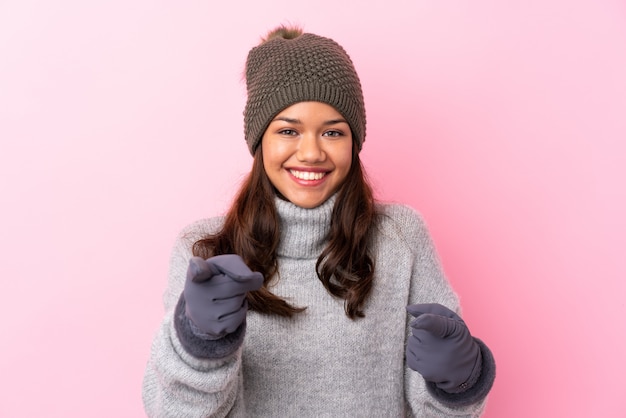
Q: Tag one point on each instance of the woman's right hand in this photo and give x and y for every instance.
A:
(215, 293)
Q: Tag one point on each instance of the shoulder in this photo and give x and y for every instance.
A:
(201, 228)
(195, 231)
(399, 212)
(402, 220)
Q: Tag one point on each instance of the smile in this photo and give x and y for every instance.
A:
(307, 175)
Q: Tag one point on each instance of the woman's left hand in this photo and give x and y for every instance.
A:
(441, 348)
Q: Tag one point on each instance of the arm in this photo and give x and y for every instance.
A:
(429, 285)
(177, 382)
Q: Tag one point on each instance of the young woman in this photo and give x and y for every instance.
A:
(308, 298)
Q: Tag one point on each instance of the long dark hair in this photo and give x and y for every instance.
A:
(251, 229)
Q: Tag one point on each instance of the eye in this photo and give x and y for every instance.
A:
(288, 132)
(333, 134)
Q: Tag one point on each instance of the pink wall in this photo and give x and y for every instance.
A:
(502, 122)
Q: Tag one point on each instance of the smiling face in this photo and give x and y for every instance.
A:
(307, 152)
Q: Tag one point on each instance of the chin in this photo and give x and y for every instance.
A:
(308, 203)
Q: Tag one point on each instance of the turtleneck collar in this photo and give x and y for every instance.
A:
(303, 231)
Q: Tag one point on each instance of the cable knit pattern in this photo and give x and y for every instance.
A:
(318, 363)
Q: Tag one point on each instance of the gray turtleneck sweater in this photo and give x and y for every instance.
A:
(319, 363)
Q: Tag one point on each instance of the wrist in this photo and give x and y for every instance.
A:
(203, 335)
(203, 345)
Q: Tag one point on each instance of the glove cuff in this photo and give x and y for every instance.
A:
(204, 346)
(478, 385)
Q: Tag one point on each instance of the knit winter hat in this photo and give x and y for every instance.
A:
(290, 67)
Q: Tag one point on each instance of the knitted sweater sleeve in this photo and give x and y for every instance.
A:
(429, 285)
(177, 383)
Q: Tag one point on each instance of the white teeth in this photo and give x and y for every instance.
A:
(307, 175)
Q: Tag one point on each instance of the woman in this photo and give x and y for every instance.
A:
(295, 303)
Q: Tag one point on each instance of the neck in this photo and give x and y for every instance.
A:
(304, 232)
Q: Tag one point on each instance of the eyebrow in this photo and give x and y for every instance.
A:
(299, 122)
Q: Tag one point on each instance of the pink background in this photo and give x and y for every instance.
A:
(504, 123)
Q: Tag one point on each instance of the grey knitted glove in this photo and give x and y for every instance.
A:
(215, 294)
(442, 349)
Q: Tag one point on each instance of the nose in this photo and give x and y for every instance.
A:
(310, 149)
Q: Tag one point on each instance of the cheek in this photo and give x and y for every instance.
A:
(345, 160)
(269, 157)
(273, 155)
